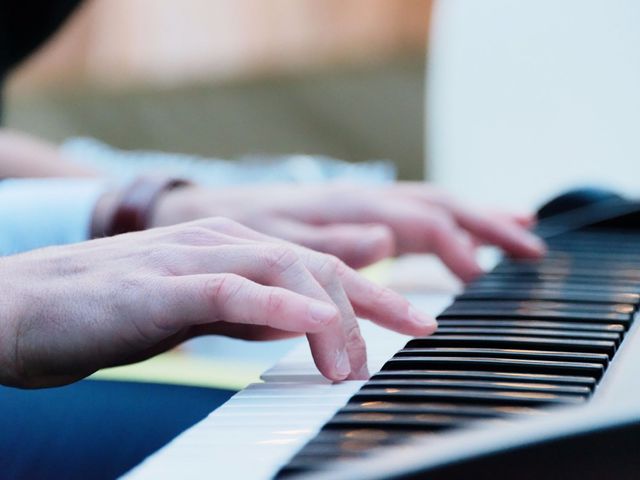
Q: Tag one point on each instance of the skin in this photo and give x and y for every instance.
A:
(71, 310)
(361, 224)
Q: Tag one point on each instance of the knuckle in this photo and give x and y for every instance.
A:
(355, 341)
(281, 258)
(223, 224)
(382, 296)
(331, 267)
(220, 290)
(274, 302)
(132, 285)
(158, 255)
(192, 235)
(440, 227)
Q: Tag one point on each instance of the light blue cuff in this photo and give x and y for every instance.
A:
(36, 213)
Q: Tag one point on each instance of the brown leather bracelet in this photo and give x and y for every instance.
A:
(136, 203)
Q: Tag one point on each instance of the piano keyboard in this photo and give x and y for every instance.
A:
(528, 336)
(515, 343)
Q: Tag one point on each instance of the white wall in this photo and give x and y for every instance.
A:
(526, 98)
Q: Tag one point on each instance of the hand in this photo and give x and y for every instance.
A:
(71, 310)
(360, 224)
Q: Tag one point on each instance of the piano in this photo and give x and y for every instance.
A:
(534, 372)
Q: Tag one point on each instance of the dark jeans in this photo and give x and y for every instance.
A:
(94, 429)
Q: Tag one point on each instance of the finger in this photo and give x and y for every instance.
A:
(431, 230)
(200, 299)
(329, 350)
(379, 304)
(243, 331)
(326, 272)
(505, 233)
(455, 248)
(525, 220)
(280, 265)
(510, 234)
(418, 229)
(356, 245)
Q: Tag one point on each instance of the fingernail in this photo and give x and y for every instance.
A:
(373, 237)
(322, 312)
(535, 243)
(421, 318)
(343, 366)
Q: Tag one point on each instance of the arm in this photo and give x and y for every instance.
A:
(359, 224)
(70, 310)
(38, 213)
(22, 155)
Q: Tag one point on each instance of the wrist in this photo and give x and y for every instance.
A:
(103, 213)
(180, 205)
(12, 305)
(134, 207)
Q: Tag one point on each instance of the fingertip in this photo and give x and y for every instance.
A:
(323, 313)
(534, 246)
(381, 236)
(525, 220)
(342, 366)
(424, 324)
(471, 274)
(377, 243)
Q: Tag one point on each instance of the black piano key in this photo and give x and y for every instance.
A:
(584, 245)
(536, 305)
(565, 260)
(479, 384)
(510, 353)
(376, 435)
(473, 411)
(496, 376)
(314, 458)
(394, 421)
(506, 282)
(470, 396)
(490, 364)
(593, 257)
(536, 324)
(567, 280)
(470, 340)
(621, 267)
(349, 446)
(557, 295)
(533, 332)
(623, 318)
(542, 269)
(559, 335)
(344, 445)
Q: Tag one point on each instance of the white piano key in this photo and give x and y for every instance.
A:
(268, 422)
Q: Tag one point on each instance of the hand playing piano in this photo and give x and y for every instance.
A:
(361, 224)
(69, 311)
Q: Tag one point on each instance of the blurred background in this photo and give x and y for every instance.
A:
(523, 100)
(225, 78)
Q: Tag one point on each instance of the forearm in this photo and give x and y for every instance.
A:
(22, 155)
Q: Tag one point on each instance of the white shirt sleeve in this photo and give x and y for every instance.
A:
(36, 213)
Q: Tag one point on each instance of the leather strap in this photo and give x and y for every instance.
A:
(136, 203)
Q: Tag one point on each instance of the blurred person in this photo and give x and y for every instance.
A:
(72, 309)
